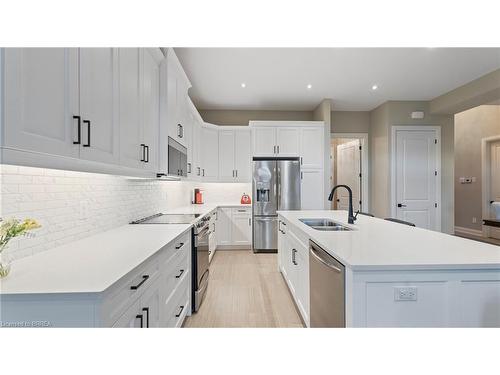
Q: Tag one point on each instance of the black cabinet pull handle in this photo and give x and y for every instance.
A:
(180, 311)
(140, 317)
(401, 205)
(179, 246)
(147, 153)
(189, 167)
(293, 256)
(88, 130)
(79, 130)
(143, 147)
(180, 274)
(146, 310)
(144, 278)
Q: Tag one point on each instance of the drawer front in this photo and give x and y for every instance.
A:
(124, 293)
(177, 306)
(182, 243)
(242, 211)
(173, 271)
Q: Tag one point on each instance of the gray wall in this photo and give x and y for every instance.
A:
(235, 117)
(350, 122)
(394, 113)
(470, 127)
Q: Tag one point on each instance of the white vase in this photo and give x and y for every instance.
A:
(5, 264)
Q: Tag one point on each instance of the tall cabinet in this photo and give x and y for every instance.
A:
(300, 139)
(235, 157)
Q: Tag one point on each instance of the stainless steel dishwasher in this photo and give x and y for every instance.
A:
(327, 289)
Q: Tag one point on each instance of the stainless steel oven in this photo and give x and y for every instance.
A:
(200, 274)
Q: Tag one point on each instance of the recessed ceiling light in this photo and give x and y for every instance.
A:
(309, 86)
(243, 85)
(374, 87)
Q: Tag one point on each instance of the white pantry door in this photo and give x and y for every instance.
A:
(348, 173)
(416, 177)
(495, 181)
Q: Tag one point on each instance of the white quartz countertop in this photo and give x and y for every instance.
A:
(93, 264)
(379, 244)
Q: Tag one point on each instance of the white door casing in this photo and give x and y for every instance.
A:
(494, 181)
(349, 173)
(416, 176)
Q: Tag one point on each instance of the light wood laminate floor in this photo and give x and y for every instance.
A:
(245, 290)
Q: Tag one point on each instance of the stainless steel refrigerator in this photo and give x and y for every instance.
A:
(276, 186)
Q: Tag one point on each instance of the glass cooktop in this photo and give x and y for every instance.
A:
(167, 219)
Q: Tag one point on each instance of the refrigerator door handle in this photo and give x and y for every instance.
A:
(278, 183)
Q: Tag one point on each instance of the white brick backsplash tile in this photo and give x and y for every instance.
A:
(16, 179)
(53, 198)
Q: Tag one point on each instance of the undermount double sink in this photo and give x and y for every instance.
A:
(324, 224)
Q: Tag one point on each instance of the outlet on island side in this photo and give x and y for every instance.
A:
(405, 293)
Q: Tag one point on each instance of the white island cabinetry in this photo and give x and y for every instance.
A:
(396, 275)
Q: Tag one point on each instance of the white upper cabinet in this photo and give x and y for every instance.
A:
(243, 155)
(176, 86)
(287, 141)
(312, 147)
(226, 155)
(99, 105)
(275, 140)
(151, 106)
(40, 100)
(209, 152)
(264, 141)
(234, 155)
(132, 151)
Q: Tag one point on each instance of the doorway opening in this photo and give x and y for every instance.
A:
(349, 166)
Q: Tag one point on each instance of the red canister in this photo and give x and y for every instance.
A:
(245, 199)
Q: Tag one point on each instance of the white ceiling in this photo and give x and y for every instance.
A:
(276, 78)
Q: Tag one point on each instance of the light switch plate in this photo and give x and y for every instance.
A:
(405, 293)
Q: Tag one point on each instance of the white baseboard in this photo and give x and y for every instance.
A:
(472, 232)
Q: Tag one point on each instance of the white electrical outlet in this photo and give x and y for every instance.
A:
(405, 293)
(474, 220)
(84, 210)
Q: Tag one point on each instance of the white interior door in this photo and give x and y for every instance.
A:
(416, 177)
(495, 182)
(348, 173)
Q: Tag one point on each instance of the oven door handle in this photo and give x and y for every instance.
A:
(203, 233)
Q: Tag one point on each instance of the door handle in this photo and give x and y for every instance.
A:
(236, 173)
(180, 274)
(147, 154)
(79, 130)
(139, 316)
(143, 147)
(144, 278)
(180, 311)
(401, 205)
(88, 133)
(278, 149)
(146, 310)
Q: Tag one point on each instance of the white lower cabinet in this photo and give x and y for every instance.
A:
(293, 255)
(234, 227)
(242, 227)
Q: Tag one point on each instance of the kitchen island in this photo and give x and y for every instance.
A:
(395, 275)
